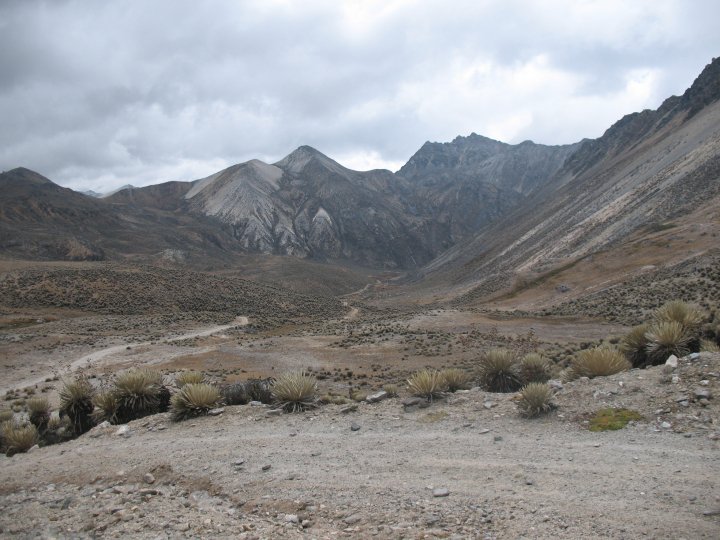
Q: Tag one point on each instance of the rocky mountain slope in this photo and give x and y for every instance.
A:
(647, 169)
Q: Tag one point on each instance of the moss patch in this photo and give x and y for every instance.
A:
(612, 419)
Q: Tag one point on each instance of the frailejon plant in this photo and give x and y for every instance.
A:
(634, 345)
(76, 402)
(664, 339)
(295, 391)
(428, 384)
(137, 393)
(19, 438)
(499, 371)
(455, 379)
(39, 412)
(534, 369)
(189, 377)
(597, 362)
(194, 400)
(535, 399)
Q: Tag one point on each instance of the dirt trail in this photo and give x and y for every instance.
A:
(94, 358)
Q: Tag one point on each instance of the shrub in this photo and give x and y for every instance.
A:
(634, 345)
(260, 390)
(666, 338)
(534, 369)
(688, 316)
(106, 407)
(426, 383)
(535, 399)
(455, 379)
(597, 362)
(391, 389)
(189, 377)
(76, 403)
(235, 394)
(137, 393)
(499, 371)
(295, 391)
(194, 400)
(39, 412)
(19, 439)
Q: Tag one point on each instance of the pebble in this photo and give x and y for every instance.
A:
(352, 520)
(672, 361)
(349, 408)
(666, 425)
(266, 467)
(291, 518)
(354, 427)
(378, 396)
(123, 431)
(489, 404)
(216, 412)
(702, 393)
(483, 431)
(441, 492)
(148, 478)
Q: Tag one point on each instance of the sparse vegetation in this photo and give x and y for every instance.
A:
(707, 345)
(106, 407)
(686, 315)
(535, 399)
(260, 390)
(295, 391)
(428, 384)
(39, 412)
(194, 400)
(76, 402)
(499, 371)
(18, 438)
(613, 419)
(666, 338)
(137, 393)
(235, 394)
(634, 345)
(455, 379)
(534, 369)
(598, 362)
(189, 377)
(392, 390)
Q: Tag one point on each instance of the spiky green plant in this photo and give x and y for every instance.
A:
(687, 315)
(194, 400)
(534, 368)
(634, 345)
(106, 407)
(39, 412)
(535, 399)
(428, 384)
(19, 438)
(455, 379)
(499, 371)
(76, 403)
(137, 393)
(666, 338)
(295, 391)
(189, 377)
(598, 362)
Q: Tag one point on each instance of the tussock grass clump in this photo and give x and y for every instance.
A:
(598, 362)
(666, 338)
(499, 371)
(535, 399)
(137, 393)
(189, 377)
(6, 415)
(106, 407)
(76, 402)
(427, 383)
(194, 400)
(612, 419)
(295, 391)
(634, 345)
(687, 315)
(392, 390)
(707, 345)
(455, 379)
(19, 438)
(534, 369)
(39, 412)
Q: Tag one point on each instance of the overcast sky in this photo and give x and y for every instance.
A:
(97, 94)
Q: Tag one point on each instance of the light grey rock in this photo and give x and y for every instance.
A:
(352, 520)
(378, 396)
(672, 361)
(702, 393)
(216, 412)
(124, 431)
(291, 518)
(148, 478)
(441, 492)
(349, 408)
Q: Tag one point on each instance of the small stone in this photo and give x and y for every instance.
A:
(306, 524)
(666, 425)
(349, 408)
(266, 467)
(378, 396)
(702, 393)
(354, 427)
(411, 402)
(441, 492)
(148, 478)
(33, 449)
(352, 520)
(694, 356)
(555, 384)
(274, 412)
(239, 462)
(291, 518)
(123, 431)
(489, 404)
(216, 412)
(672, 361)
(256, 403)
(497, 438)
(182, 527)
(483, 431)
(675, 379)
(529, 482)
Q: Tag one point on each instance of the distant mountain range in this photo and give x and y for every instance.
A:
(469, 211)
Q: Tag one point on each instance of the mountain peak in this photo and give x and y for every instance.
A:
(21, 174)
(297, 160)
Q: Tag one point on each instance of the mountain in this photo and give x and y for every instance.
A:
(646, 170)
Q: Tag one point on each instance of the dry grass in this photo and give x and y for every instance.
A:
(106, 407)
(707, 345)
(534, 368)
(455, 379)
(392, 390)
(76, 402)
(688, 316)
(666, 338)
(39, 412)
(427, 383)
(535, 400)
(598, 362)
(18, 439)
(499, 371)
(189, 377)
(634, 345)
(295, 391)
(194, 400)
(137, 393)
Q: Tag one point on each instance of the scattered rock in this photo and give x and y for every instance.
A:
(256, 403)
(672, 361)
(489, 404)
(441, 492)
(292, 518)
(666, 425)
(274, 412)
(378, 396)
(266, 467)
(354, 427)
(216, 412)
(148, 478)
(702, 393)
(123, 431)
(352, 520)
(349, 408)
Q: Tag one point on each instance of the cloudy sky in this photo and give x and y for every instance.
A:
(97, 94)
